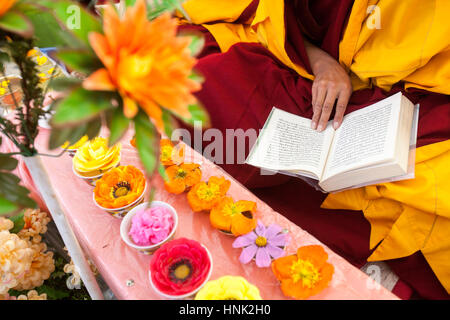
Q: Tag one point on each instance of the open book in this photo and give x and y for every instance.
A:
(374, 144)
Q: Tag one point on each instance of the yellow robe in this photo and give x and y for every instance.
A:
(405, 40)
(410, 215)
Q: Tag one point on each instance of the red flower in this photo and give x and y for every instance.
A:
(180, 266)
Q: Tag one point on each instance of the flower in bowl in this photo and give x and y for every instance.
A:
(120, 189)
(179, 268)
(228, 288)
(262, 244)
(149, 225)
(94, 158)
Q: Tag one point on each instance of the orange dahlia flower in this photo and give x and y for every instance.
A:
(204, 195)
(182, 177)
(119, 187)
(235, 217)
(170, 154)
(303, 274)
(145, 61)
(5, 5)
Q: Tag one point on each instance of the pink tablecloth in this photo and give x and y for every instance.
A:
(99, 235)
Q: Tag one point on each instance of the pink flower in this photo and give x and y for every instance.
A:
(179, 266)
(263, 243)
(151, 225)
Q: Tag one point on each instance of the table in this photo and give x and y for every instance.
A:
(98, 233)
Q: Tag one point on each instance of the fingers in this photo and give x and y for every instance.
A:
(327, 108)
(341, 105)
(319, 94)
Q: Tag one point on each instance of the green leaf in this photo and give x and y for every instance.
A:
(158, 7)
(197, 41)
(197, 77)
(47, 29)
(13, 192)
(93, 128)
(118, 125)
(82, 60)
(162, 172)
(19, 223)
(16, 22)
(198, 113)
(64, 83)
(168, 123)
(7, 163)
(130, 3)
(72, 18)
(81, 105)
(146, 141)
(52, 293)
(58, 136)
(7, 206)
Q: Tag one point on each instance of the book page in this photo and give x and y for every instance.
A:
(287, 142)
(366, 137)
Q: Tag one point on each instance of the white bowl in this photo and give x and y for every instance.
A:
(125, 226)
(189, 294)
(122, 211)
(90, 180)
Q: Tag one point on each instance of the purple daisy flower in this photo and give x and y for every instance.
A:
(263, 244)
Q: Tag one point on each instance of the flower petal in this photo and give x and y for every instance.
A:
(247, 254)
(99, 80)
(279, 241)
(245, 240)
(272, 231)
(275, 252)
(260, 229)
(263, 259)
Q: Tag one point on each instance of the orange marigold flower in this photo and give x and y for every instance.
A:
(304, 274)
(182, 177)
(145, 61)
(235, 217)
(5, 5)
(119, 187)
(204, 195)
(170, 154)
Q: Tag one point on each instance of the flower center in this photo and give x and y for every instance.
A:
(181, 173)
(180, 271)
(306, 272)
(261, 241)
(121, 189)
(208, 192)
(166, 153)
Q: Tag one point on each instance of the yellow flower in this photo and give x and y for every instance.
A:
(145, 61)
(76, 145)
(5, 5)
(95, 157)
(228, 288)
(32, 295)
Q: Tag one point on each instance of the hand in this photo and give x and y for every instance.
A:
(331, 84)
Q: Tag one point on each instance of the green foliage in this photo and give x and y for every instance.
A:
(72, 19)
(17, 23)
(19, 223)
(146, 141)
(158, 7)
(118, 125)
(82, 60)
(59, 135)
(80, 106)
